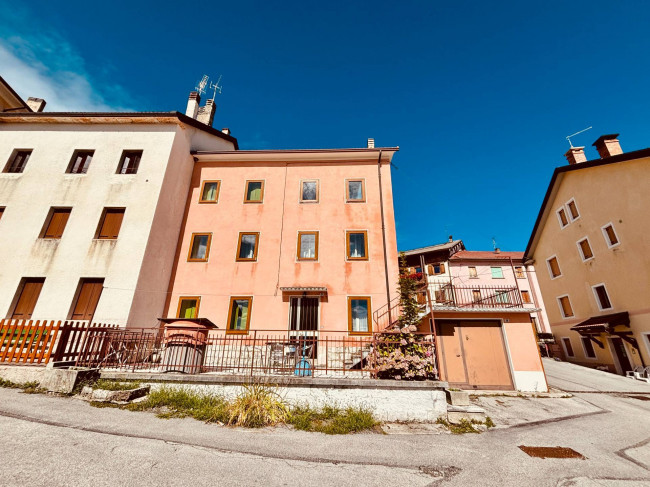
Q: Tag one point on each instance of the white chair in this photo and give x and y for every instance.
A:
(636, 373)
(644, 375)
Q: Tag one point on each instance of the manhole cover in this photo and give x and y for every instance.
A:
(551, 452)
(640, 398)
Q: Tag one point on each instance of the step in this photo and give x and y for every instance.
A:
(455, 414)
(458, 398)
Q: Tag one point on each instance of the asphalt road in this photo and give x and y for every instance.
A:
(49, 440)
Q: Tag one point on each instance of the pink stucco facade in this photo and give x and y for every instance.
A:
(278, 219)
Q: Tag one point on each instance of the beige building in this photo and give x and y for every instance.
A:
(589, 247)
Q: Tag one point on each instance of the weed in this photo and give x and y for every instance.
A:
(27, 387)
(256, 406)
(332, 420)
(442, 421)
(489, 423)
(112, 385)
(180, 403)
(463, 427)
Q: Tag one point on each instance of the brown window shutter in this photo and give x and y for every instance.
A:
(27, 301)
(87, 300)
(57, 223)
(430, 270)
(442, 268)
(110, 228)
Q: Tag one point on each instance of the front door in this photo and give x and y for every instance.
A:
(303, 323)
(620, 355)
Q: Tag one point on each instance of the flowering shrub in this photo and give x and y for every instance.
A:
(417, 276)
(403, 355)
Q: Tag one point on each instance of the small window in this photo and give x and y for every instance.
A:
(568, 349)
(55, 223)
(309, 191)
(472, 273)
(210, 192)
(357, 245)
(307, 245)
(199, 247)
(129, 162)
(110, 223)
(553, 267)
(585, 249)
(497, 272)
(359, 315)
(435, 269)
(18, 161)
(588, 347)
(602, 298)
(610, 235)
(561, 216)
(519, 272)
(247, 246)
(254, 192)
(355, 190)
(573, 210)
(565, 306)
(80, 161)
(239, 314)
(525, 297)
(188, 307)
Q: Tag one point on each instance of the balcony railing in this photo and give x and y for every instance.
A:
(480, 296)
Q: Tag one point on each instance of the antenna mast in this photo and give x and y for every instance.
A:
(200, 87)
(216, 87)
(573, 135)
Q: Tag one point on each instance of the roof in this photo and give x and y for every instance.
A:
(282, 156)
(486, 255)
(12, 97)
(109, 117)
(433, 248)
(599, 324)
(556, 179)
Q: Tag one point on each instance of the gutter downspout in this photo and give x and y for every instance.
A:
(383, 234)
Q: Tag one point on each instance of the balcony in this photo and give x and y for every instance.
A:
(473, 297)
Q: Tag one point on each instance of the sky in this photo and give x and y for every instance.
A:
(479, 96)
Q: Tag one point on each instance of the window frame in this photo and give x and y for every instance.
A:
(550, 269)
(606, 236)
(559, 303)
(598, 303)
(73, 160)
(568, 208)
(368, 299)
(102, 219)
(255, 251)
(261, 200)
(248, 318)
(563, 210)
(581, 251)
(187, 298)
(431, 269)
(492, 267)
(216, 200)
(519, 275)
(317, 181)
(13, 156)
(566, 352)
(120, 164)
(305, 259)
(583, 340)
(207, 249)
(363, 190)
(347, 244)
(528, 300)
(48, 221)
(24, 281)
(469, 269)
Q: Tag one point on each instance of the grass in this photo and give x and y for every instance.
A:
(332, 420)
(466, 426)
(27, 387)
(112, 385)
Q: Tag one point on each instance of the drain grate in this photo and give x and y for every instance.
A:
(551, 452)
(640, 398)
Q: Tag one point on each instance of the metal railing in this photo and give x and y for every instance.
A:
(479, 296)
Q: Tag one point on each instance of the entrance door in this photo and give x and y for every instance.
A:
(303, 323)
(89, 292)
(27, 300)
(451, 352)
(620, 355)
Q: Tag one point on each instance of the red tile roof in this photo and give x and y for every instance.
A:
(486, 255)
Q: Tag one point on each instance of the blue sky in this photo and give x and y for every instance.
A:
(478, 95)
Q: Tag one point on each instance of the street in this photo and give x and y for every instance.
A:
(51, 440)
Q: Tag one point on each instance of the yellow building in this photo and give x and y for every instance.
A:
(590, 249)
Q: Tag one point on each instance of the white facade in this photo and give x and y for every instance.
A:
(136, 267)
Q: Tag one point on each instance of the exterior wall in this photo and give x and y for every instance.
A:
(614, 193)
(279, 219)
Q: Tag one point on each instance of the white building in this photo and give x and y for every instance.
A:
(91, 205)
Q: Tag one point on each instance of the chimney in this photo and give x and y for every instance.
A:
(608, 145)
(371, 143)
(206, 113)
(497, 250)
(576, 155)
(451, 238)
(36, 104)
(193, 104)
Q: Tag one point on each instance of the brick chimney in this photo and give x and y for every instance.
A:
(36, 104)
(576, 155)
(206, 113)
(193, 104)
(608, 145)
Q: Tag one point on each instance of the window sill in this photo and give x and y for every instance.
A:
(208, 202)
(360, 333)
(236, 332)
(197, 260)
(355, 201)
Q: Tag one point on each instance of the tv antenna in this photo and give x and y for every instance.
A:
(216, 87)
(200, 87)
(494, 243)
(573, 135)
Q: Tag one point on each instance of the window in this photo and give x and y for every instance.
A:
(525, 297)
(497, 272)
(188, 307)
(553, 267)
(309, 191)
(254, 192)
(602, 299)
(88, 294)
(210, 192)
(472, 273)
(199, 247)
(568, 349)
(110, 223)
(307, 245)
(561, 216)
(239, 314)
(588, 347)
(359, 315)
(610, 235)
(27, 296)
(303, 313)
(476, 295)
(80, 162)
(56, 222)
(435, 269)
(565, 306)
(585, 249)
(519, 272)
(502, 296)
(573, 210)
(355, 190)
(357, 245)
(129, 162)
(247, 246)
(18, 161)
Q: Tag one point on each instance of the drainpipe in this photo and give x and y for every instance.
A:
(383, 234)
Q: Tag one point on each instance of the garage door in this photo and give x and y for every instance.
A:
(473, 354)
